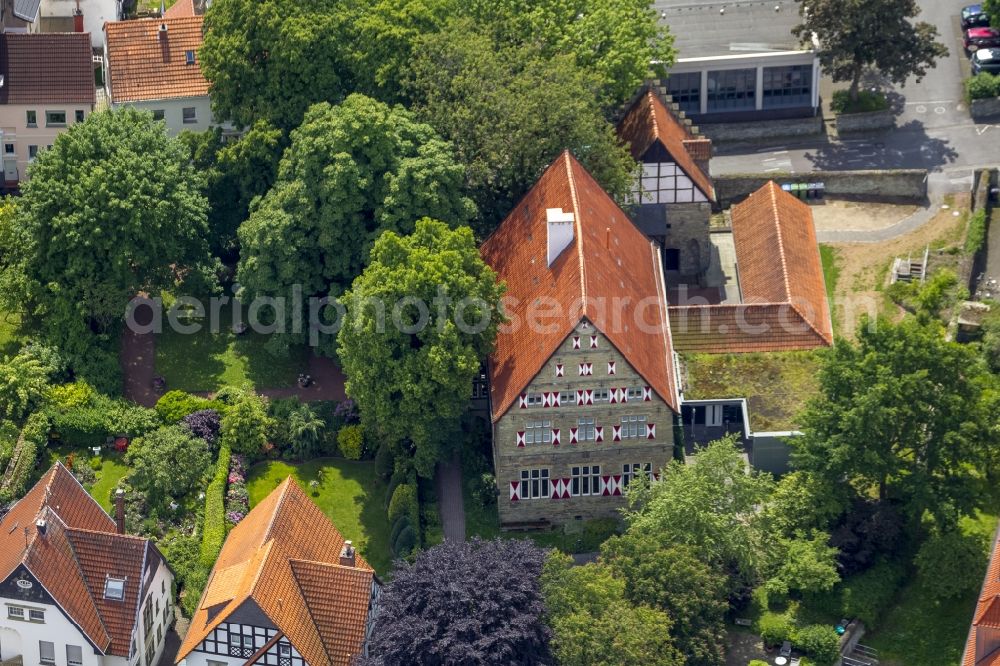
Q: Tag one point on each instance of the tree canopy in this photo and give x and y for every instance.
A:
(475, 602)
(352, 171)
(167, 462)
(903, 414)
(419, 321)
(857, 35)
(245, 424)
(112, 209)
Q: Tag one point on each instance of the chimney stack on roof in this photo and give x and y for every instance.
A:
(347, 558)
(560, 231)
(120, 510)
(40, 526)
(77, 18)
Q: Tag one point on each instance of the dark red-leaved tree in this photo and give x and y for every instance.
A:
(470, 603)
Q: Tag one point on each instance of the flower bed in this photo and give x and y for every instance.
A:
(237, 497)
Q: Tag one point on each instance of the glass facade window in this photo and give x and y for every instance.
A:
(787, 86)
(685, 90)
(732, 90)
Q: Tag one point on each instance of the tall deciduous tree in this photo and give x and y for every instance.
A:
(112, 209)
(246, 423)
(419, 321)
(475, 603)
(857, 35)
(272, 59)
(167, 462)
(902, 414)
(509, 111)
(594, 624)
(352, 171)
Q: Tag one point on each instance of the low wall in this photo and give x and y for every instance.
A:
(761, 129)
(985, 109)
(892, 185)
(865, 122)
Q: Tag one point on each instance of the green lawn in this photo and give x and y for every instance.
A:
(351, 495)
(113, 470)
(204, 361)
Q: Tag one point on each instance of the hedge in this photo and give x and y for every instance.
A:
(976, 236)
(819, 641)
(404, 503)
(982, 86)
(774, 629)
(175, 405)
(868, 595)
(33, 437)
(214, 531)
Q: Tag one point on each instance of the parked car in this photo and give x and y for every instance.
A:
(980, 38)
(973, 16)
(986, 60)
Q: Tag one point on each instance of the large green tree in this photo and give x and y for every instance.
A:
(419, 321)
(594, 623)
(510, 110)
(860, 35)
(168, 462)
(904, 415)
(272, 59)
(246, 422)
(112, 209)
(352, 171)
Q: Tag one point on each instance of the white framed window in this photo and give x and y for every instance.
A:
(630, 471)
(158, 114)
(586, 480)
(74, 655)
(114, 588)
(635, 393)
(535, 483)
(9, 149)
(47, 652)
(284, 650)
(55, 118)
(538, 432)
(585, 429)
(31, 118)
(189, 114)
(15, 613)
(602, 395)
(633, 427)
(36, 615)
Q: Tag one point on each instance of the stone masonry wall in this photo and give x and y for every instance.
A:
(889, 185)
(510, 459)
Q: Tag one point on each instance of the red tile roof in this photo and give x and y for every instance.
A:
(43, 68)
(285, 557)
(180, 9)
(649, 121)
(609, 263)
(781, 280)
(79, 549)
(983, 645)
(147, 64)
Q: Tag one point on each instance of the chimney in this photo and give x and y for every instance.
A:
(560, 228)
(77, 18)
(700, 150)
(40, 526)
(347, 555)
(162, 30)
(120, 510)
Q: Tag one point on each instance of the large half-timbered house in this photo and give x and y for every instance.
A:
(581, 386)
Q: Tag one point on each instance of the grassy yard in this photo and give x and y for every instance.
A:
(831, 272)
(112, 470)
(204, 361)
(351, 495)
(776, 385)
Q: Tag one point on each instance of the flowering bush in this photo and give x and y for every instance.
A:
(347, 412)
(237, 497)
(234, 517)
(205, 424)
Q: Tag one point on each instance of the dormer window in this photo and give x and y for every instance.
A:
(189, 57)
(114, 588)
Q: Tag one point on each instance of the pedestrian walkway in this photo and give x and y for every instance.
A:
(911, 223)
(449, 491)
(138, 359)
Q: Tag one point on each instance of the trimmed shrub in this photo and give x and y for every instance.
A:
(404, 502)
(982, 86)
(84, 426)
(405, 542)
(976, 237)
(34, 436)
(401, 524)
(774, 629)
(351, 440)
(819, 641)
(867, 102)
(70, 396)
(384, 461)
(214, 532)
(175, 405)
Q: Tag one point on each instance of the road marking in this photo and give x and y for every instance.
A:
(939, 110)
(921, 109)
(780, 152)
(939, 101)
(983, 130)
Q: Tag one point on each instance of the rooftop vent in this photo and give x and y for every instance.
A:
(560, 228)
(40, 526)
(347, 558)
(162, 29)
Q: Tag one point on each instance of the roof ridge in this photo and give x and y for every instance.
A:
(773, 191)
(131, 537)
(277, 508)
(652, 115)
(578, 228)
(661, 293)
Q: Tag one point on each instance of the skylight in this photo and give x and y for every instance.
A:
(114, 588)
(189, 56)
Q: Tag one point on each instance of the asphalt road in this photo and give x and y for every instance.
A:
(933, 128)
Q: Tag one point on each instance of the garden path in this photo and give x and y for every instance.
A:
(449, 490)
(328, 383)
(138, 359)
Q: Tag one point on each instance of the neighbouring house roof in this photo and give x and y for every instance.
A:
(648, 121)
(185, 8)
(781, 279)
(608, 261)
(41, 68)
(983, 645)
(79, 549)
(147, 63)
(285, 558)
(26, 10)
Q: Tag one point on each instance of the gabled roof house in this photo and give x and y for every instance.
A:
(286, 590)
(76, 589)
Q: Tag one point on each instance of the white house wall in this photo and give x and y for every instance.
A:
(160, 589)
(22, 637)
(665, 182)
(173, 112)
(95, 12)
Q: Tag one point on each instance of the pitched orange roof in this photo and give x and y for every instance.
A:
(145, 63)
(47, 68)
(984, 650)
(79, 549)
(649, 121)
(285, 558)
(609, 275)
(180, 9)
(781, 280)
